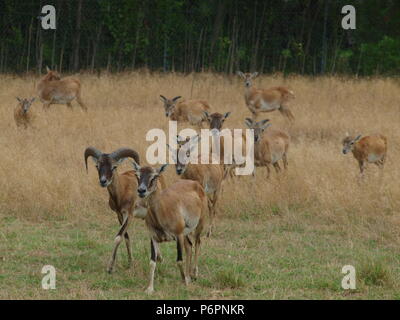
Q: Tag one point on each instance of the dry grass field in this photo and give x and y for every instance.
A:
(283, 238)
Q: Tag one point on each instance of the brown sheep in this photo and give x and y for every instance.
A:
(22, 114)
(369, 149)
(54, 90)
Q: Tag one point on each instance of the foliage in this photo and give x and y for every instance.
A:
(186, 36)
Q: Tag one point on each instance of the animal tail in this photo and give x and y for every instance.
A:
(206, 105)
(285, 111)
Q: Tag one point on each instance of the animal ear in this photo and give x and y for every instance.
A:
(19, 99)
(95, 160)
(194, 143)
(262, 122)
(171, 148)
(347, 134)
(207, 115)
(162, 98)
(176, 98)
(357, 138)
(226, 115)
(240, 74)
(254, 74)
(266, 125)
(162, 168)
(47, 69)
(179, 139)
(33, 99)
(120, 161)
(195, 139)
(135, 166)
(248, 122)
(173, 151)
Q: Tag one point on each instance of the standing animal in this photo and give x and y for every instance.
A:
(269, 147)
(191, 111)
(175, 213)
(22, 114)
(266, 100)
(210, 176)
(121, 189)
(369, 149)
(54, 90)
(216, 121)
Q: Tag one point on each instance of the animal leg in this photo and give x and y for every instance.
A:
(195, 268)
(285, 111)
(188, 252)
(69, 105)
(285, 162)
(117, 241)
(211, 215)
(254, 115)
(268, 171)
(153, 263)
(277, 167)
(127, 241)
(179, 245)
(214, 205)
(79, 100)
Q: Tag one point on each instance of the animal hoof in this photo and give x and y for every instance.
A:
(187, 280)
(110, 269)
(194, 274)
(159, 258)
(149, 290)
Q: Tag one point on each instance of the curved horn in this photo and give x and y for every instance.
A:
(124, 153)
(91, 152)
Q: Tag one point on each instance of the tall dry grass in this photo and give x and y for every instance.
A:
(43, 175)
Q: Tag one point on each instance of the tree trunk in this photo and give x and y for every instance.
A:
(77, 36)
(29, 46)
(219, 19)
(95, 47)
(324, 40)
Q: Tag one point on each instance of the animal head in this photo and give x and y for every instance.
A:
(169, 104)
(248, 78)
(216, 120)
(25, 104)
(182, 154)
(107, 163)
(348, 143)
(52, 75)
(258, 127)
(147, 178)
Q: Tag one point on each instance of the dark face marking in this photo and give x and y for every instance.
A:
(216, 121)
(348, 144)
(147, 181)
(25, 104)
(169, 105)
(105, 167)
(259, 128)
(180, 167)
(53, 75)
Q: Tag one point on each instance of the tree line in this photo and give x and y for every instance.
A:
(288, 36)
